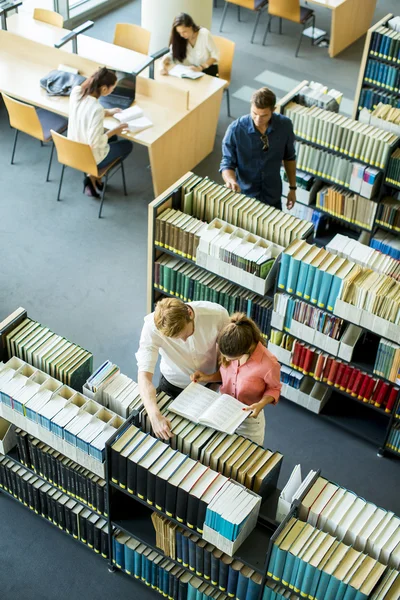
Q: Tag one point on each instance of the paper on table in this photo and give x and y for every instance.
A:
(139, 124)
(129, 114)
(185, 72)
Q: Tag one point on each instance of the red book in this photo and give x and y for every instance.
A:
(364, 385)
(295, 354)
(314, 360)
(370, 388)
(300, 360)
(357, 383)
(392, 399)
(327, 368)
(308, 357)
(319, 367)
(343, 382)
(353, 376)
(380, 393)
(339, 374)
(333, 370)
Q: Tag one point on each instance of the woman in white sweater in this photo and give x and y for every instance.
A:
(192, 46)
(86, 124)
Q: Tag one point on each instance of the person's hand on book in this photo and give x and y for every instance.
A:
(161, 427)
(110, 112)
(255, 408)
(121, 128)
(199, 377)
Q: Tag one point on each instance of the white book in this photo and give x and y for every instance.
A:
(185, 72)
(129, 114)
(139, 124)
(202, 405)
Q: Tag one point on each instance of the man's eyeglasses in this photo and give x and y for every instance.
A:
(265, 141)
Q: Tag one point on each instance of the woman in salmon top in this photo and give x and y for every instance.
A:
(248, 371)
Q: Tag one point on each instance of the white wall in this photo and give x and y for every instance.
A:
(158, 15)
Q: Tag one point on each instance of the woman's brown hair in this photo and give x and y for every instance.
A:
(178, 43)
(240, 337)
(93, 84)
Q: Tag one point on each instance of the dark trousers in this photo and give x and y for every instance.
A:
(167, 387)
(118, 149)
(212, 70)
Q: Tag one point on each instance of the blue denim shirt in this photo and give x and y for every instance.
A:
(258, 172)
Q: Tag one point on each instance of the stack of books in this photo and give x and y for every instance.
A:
(339, 133)
(347, 206)
(363, 255)
(383, 116)
(324, 164)
(381, 75)
(50, 353)
(393, 172)
(206, 200)
(178, 232)
(190, 283)
(370, 98)
(385, 42)
(316, 564)
(387, 362)
(387, 243)
(352, 520)
(52, 504)
(114, 390)
(393, 441)
(388, 213)
(317, 94)
(62, 472)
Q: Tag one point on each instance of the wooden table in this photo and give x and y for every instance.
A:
(350, 20)
(184, 117)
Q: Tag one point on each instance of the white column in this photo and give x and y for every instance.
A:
(158, 15)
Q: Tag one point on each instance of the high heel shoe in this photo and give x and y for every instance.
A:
(89, 188)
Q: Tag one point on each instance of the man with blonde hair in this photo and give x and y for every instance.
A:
(185, 335)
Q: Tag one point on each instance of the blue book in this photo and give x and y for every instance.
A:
(326, 281)
(291, 305)
(283, 271)
(185, 550)
(242, 586)
(332, 589)
(178, 544)
(191, 595)
(350, 594)
(322, 584)
(307, 580)
(233, 576)
(288, 568)
(275, 546)
(119, 552)
(129, 558)
(294, 267)
(253, 589)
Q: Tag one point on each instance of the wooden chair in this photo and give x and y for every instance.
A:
(291, 11)
(132, 37)
(227, 50)
(257, 6)
(80, 157)
(48, 16)
(36, 122)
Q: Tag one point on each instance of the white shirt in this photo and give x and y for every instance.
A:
(86, 123)
(180, 359)
(203, 49)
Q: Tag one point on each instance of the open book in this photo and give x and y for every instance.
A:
(201, 405)
(134, 117)
(185, 72)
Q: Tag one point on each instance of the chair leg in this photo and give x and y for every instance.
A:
(41, 143)
(313, 27)
(280, 25)
(61, 180)
(50, 161)
(14, 147)
(123, 177)
(102, 195)
(268, 28)
(255, 26)
(300, 40)
(228, 103)
(224, 15)
(239, 14)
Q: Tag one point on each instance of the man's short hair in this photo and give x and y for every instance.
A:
(264, 98)
(171, 316)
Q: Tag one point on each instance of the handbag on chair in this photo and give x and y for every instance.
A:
(60, 83)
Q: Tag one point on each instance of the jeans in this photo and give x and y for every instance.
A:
(165, 386)
(118, 149)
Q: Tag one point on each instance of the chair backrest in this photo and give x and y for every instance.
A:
(227, 50)
(23, 117)
(48, 16)
(75, 154)
(250, 4)
(132, 37)
(287, 9)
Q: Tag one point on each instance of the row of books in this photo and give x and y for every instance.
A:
(159, 572)
(317, 565)
(370, 98)
(364, 255)
(207, 200)
(393, 441)
(176, 484)
(383, 116)
(324, 164)
(49, 502)
(382, 75)
(340, 133)
(336, 373)
(113, 389)
(353, 520)
(50, 353)
(387, 361)
(314, 274)
(318, 94)
(178, 232)
(393, 171)
(65, 474)
(386, 243)
(310, 395)
(388, 213)
(191, 283)
(347, 206)
(56, 408)
(385, 43)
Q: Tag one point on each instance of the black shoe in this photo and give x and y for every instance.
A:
(89, 188)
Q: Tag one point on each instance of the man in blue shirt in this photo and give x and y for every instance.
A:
(253, 149)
